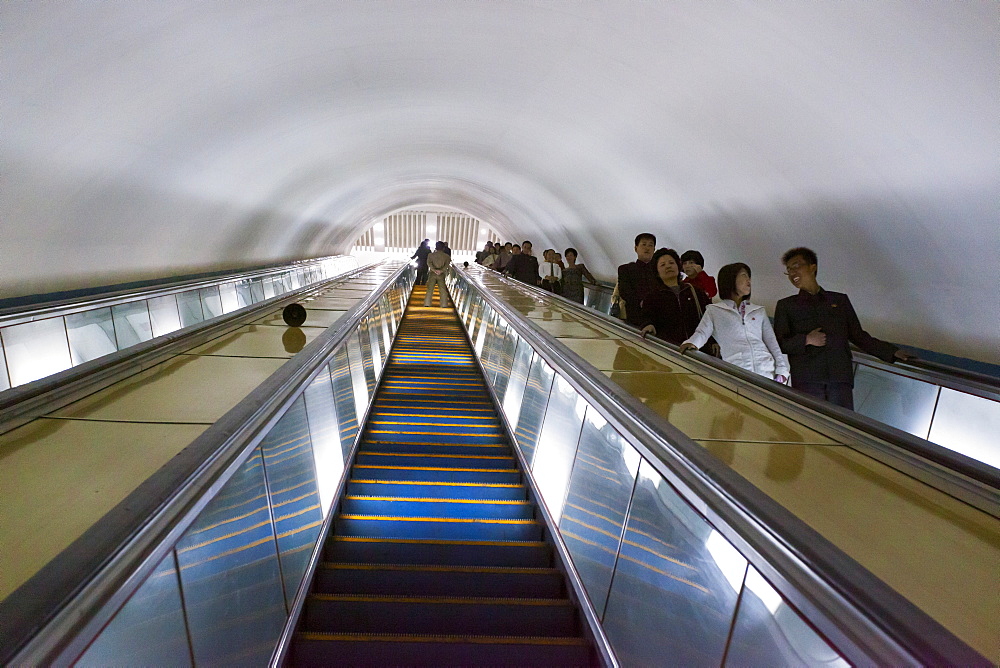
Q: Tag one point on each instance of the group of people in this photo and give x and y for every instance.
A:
(561, 273)
(809, 341)
(670, 296)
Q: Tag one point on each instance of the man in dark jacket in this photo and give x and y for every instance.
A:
(637, 278)
(815, 327)
(522, 266)
(423, 250)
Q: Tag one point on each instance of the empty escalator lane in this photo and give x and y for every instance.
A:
(436, 556)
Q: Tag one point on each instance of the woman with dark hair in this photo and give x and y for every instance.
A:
(741, 329)
(673, 309)
(573, 275)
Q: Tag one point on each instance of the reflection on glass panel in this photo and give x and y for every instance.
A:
(513, 391)
(768, 632)
(325, 433)
(557, 442)
(536, 397)
(371, 324)
(675, 583)
(227, 291)
(149, 628)
(132, 324)
(257, 290)
(473, 314)
(91, 335)
(244, 296)
(365, 341)
(189, 306)
(905, 403)
(343, 394)
(968, 424)
(385, 327)
(35, 349)
(484, 327)
(163, 314)
(503, 361)
(599, 492)
(494, 338)
(269, 287)
(211, 302)
(291, 483)
(230, 575)
(4, 379)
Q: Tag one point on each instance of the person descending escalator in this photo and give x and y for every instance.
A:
(423, 250)
(672, 310)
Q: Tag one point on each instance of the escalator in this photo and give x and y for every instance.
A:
(437, 556)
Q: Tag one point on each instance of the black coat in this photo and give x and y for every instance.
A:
(524, 268)
(635, 279)
(796, 316)
(675, 316)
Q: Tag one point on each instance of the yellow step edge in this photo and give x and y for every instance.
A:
(438, 541)
(422, 454)
(508, 485)
(558, 641)
(460, 600)
(435, 568)
(432, 468)
(445, 520)
(423, 499)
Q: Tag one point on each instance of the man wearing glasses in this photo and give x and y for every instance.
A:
(815, 327)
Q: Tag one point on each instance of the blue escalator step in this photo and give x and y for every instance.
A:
(436, 459)
(438, 527)
(437, 507)
(451, 490)
(444, 474)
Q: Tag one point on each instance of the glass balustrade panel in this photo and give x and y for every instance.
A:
(35, 349)
(149, 630)
(674, 590)
(163, 314)
(533, 403)
(132, 323)
(557, 444)
(324, 429)
(91, 335)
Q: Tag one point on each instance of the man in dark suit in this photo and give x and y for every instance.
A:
(637, 278)
(815, 329)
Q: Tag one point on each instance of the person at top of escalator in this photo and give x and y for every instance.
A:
(742, 329)
(637, 278)
(522, 265)
(671, 310)
(815, 329)
(423, 250)
(693, 264)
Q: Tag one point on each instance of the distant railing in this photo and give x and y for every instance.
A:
(36, 342)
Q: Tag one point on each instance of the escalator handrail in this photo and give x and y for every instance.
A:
(945, 375)
(101, 569)
(977, 475)
(855, 604)
(17, 314)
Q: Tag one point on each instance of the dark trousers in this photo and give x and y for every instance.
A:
(841, 394)
(421, 274)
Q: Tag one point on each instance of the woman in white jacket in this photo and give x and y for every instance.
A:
(742, 329)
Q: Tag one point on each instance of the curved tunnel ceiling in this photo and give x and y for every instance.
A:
(144, 139)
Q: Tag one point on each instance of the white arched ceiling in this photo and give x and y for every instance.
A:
(142, 139)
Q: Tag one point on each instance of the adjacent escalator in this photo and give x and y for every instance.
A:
(437, 556)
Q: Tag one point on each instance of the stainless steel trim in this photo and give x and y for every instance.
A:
(103, 567)
(878, 625)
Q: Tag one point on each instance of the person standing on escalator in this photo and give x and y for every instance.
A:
(438, 265)
(423, 250)
(815, 329)
(671, 310)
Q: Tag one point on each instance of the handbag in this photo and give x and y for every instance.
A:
(617, 309)
(714, 349)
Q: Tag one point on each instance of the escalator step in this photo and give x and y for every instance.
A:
(324, 649)
(452, 490)
(409, 579)
(437, 507)
(365, 550)
(344, 613)
(439, 527)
